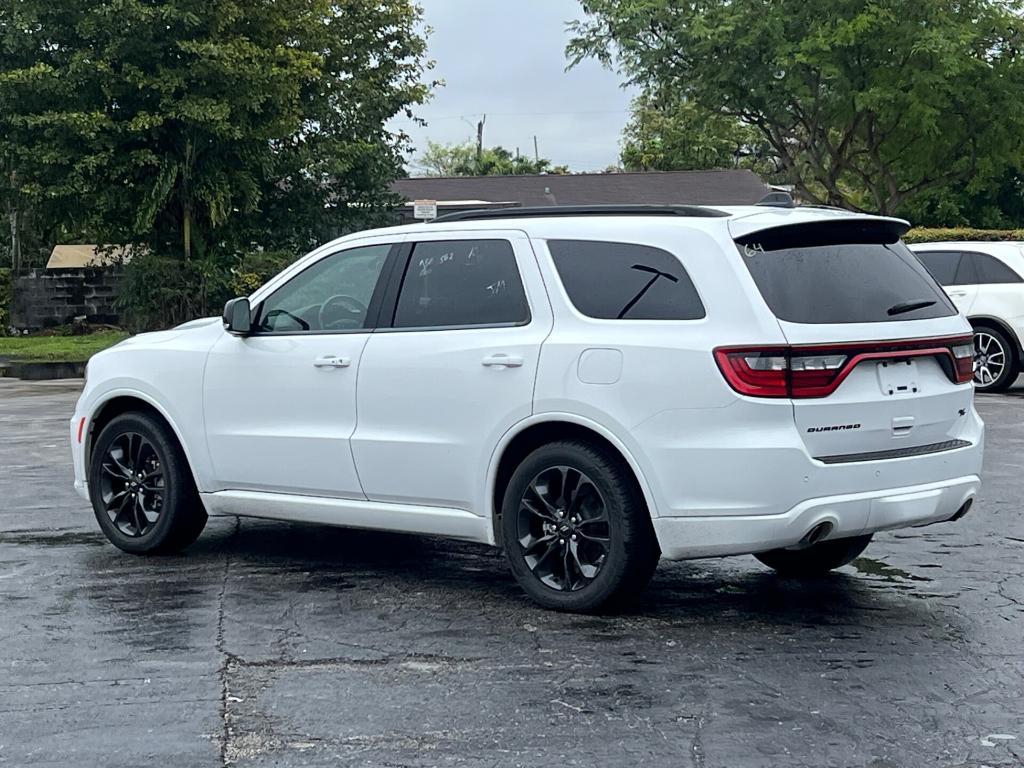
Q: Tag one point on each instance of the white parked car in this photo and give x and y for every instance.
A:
(986, 282)
(589, 389)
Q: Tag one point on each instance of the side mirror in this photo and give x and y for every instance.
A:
(238, 317)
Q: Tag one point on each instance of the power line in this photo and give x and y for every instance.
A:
(531, 114)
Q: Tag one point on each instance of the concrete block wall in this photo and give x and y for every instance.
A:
(44, 298)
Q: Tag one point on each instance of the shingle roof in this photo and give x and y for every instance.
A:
(727, 187)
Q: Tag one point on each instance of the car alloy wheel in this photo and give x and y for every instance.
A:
(562, 528)
(990, 358)
(132, 485)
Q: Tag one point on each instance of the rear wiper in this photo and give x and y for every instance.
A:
(909, 306)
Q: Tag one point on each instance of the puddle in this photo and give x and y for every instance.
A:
(54, 538)
(882, 571)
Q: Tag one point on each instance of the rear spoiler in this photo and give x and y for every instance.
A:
(817, 226)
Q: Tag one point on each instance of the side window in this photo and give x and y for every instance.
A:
(990, 270)
(460, 283)
(331, 295)
(966, 273)
(942, 265)
(625, 281)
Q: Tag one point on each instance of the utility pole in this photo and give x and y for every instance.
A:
(536, 154)
(480, 141)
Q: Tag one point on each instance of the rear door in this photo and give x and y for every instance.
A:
(956, 272)
(879, 355)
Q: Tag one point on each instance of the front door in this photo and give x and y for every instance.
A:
(455, 370)
(280, 405)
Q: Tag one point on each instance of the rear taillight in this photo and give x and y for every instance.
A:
(963, 356)
(806, 372)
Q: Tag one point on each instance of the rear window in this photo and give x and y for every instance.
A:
(835, 273)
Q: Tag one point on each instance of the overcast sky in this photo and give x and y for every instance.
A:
(506, 58)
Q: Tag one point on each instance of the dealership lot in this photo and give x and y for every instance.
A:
(273, 644)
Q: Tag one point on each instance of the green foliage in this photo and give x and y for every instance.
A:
(865, 105)
(161, 291)
(254, 269)
(68, 349)
(204, 130)
(996, 204)
(461, 160)
(6, 298)
(941, 234)
(667, 134)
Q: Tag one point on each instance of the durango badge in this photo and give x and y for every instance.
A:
(833, 428)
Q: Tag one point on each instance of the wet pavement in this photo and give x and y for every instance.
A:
(271, 644)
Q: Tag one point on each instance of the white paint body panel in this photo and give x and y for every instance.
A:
(409, 435)
(1001, 302)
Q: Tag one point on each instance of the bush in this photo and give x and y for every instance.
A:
(254, 269)
(160, 292)
(929, 235)
(6, 299)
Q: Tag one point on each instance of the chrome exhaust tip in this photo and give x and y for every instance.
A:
(964, 509)
(816, 534)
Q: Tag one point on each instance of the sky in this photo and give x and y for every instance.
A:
(506, 59)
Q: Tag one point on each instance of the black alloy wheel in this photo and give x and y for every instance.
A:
(141, 487)
(563, 528)
(132, 486)
(576, 529)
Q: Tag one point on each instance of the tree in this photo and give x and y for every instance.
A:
(461, 160)
(671, 134)
(865, 105)
(186, 124)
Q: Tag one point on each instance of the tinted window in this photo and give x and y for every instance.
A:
(331, 295)
(942, 265)
(806, 276)
(625, 281)
(461, 282)
(990, 270)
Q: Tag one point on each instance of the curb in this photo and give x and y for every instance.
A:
(40, 371)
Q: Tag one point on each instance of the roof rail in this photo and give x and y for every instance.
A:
(777, 199)
(582, 210)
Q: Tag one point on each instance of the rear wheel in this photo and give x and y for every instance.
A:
(817, 559)
(141, 488)
(995, 362)
(576, 529)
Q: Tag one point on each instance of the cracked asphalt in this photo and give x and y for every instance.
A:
(269, 644)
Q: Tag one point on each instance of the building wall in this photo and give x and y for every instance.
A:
(44, 298)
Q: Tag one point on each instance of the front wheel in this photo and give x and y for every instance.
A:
(817, 559)
(141, 488)
(576, 529)
(995, 363)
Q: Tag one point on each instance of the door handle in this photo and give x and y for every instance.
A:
(502, 361)
(958, 294)
(332, 361)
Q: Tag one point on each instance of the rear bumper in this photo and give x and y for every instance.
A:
(849, 514)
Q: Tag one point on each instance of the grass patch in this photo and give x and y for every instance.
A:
(63, 349)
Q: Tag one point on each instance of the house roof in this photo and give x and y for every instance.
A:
(725, 187)
(86, 255)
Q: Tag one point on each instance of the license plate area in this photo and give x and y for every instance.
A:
(898, 378)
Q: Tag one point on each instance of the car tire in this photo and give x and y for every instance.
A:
(995, 360)
(141, 487)
(817, 559)
(576, 529)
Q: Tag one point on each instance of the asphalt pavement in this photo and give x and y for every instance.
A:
(269, 644)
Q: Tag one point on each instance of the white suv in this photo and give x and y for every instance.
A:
(985, 282)
(587, 388)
